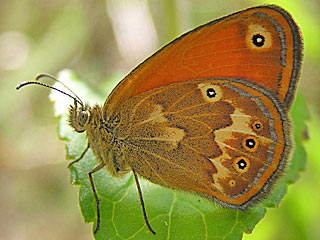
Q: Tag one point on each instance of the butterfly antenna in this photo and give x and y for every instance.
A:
(42, 75)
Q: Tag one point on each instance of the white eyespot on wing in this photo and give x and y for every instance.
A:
(210, 92)
(258, 37)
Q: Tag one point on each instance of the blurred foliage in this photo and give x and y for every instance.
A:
(47, 36)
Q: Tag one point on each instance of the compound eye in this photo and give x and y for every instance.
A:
(83, 118)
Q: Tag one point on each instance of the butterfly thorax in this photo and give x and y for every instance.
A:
(101, 135)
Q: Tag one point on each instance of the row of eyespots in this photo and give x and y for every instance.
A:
(250, 144)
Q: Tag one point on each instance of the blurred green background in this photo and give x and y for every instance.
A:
(102, 41)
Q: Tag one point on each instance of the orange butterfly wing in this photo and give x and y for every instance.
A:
(224, 48)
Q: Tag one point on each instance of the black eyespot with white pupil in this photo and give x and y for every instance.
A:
(83, 117)
(257, 126)
(242, 164)
(258, 40)
(211, 93)
(250, 143)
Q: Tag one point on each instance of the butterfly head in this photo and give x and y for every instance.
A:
(79, 116)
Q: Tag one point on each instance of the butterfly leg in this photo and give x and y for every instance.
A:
(142, 203)
(96, 169)
(124, 171)
(81, 156)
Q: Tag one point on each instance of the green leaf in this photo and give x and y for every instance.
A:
(172, 214)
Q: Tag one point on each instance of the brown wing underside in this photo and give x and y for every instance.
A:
(196, 136)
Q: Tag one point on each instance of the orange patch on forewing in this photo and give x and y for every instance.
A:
(217, 49)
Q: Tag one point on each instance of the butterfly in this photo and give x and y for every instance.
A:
(206, 114)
